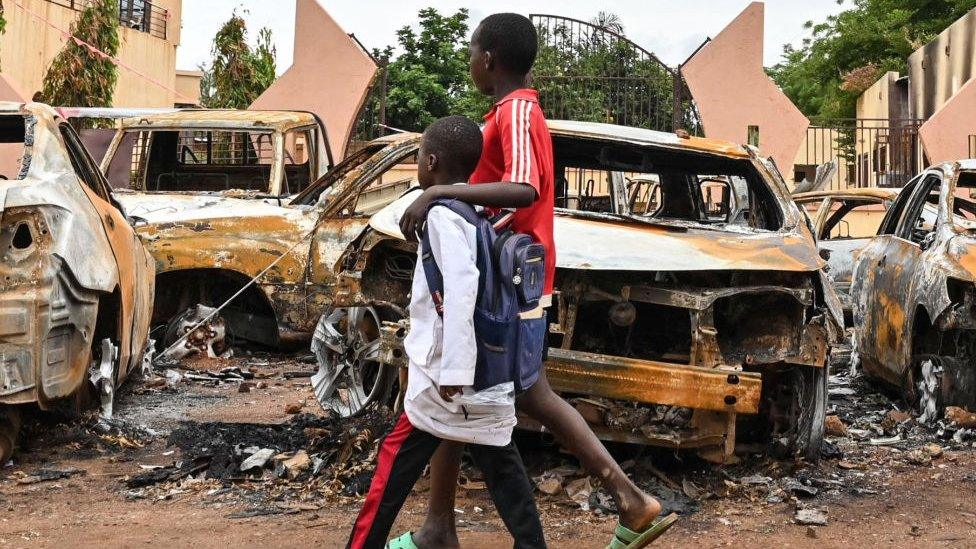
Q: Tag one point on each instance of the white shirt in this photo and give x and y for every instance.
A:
(442, 350)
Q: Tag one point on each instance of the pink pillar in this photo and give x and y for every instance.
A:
(329, 77)
(946, 135)
(732, 92)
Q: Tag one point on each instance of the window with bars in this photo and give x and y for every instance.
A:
(141, 15)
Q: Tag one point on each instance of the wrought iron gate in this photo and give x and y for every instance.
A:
(592, 73)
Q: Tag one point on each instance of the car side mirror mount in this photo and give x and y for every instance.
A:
(927, 242)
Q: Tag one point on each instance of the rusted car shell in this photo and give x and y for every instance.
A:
(712, 383)
(902, 291)
(83, 253)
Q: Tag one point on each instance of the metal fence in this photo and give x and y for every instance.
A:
(867, 152)
(589, 72)
(141, 15)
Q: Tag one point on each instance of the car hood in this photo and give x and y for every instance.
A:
(600, 242)
(158, 208)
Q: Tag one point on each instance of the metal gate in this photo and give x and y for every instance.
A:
(591, 73)
(868, 152)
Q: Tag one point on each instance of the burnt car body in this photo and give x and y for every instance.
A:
(844, 221)
(914, 291)
(77, 285)
(690, 299)
(681, 309)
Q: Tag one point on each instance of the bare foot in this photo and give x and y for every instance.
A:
(638, 511)
(425, 539)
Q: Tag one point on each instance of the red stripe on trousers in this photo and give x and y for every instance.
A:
(387, 455)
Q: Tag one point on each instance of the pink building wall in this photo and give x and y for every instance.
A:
(946, 135)
(330, 75)
(732, 91)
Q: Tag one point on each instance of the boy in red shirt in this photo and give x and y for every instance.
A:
(516, 171)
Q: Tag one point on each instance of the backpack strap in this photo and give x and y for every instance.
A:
(432, 272)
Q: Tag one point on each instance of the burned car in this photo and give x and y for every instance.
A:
(844, 221)
(77, 282)
(256, 154)
(691, 301)
(915, 289)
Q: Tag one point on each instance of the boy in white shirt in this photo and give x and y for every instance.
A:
(443, 352)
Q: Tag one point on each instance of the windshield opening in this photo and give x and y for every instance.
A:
(662, 184)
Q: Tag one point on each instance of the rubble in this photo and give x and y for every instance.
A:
(811, 517)
(835, 427)
(960, 417)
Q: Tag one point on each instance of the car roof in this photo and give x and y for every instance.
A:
(223, 118)
(641, 136)
(878, 193)
(624, 134)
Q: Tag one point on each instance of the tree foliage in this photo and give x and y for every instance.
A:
(849, 51)
(598, 76)
(77, 76)
(238, 73)
(429, 79)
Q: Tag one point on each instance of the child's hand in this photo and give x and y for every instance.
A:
(413, 217)
(448, 391)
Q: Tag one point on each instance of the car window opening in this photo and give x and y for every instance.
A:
(679, 185)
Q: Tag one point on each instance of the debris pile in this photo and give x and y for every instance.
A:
(308, 454)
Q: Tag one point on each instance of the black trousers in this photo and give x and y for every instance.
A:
(402, 457)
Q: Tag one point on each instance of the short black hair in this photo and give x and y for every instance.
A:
(457, 142)
(512, 39)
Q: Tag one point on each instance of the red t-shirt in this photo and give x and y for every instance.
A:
(518, 148)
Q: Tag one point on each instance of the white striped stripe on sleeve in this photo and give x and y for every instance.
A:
(521, 141)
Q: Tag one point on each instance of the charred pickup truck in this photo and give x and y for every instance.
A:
(915, 291)
(253, 154)
(76, 284)
(691, 301)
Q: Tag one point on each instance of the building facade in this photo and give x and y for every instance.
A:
(149, 32)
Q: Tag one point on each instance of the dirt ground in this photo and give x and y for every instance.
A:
(873, 495)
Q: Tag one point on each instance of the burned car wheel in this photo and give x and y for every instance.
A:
(800, 413)
(927, 390)
(347, 347)
(211, 339)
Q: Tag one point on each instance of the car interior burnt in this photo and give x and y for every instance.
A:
(208, 161)
(661, 184)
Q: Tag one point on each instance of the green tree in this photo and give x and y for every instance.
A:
(77, 76)
(429, 79)
(849, 51)
(238, 73)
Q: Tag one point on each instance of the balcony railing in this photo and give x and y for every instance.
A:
(141, 15)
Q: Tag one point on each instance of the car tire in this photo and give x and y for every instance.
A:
(811, 399)
(800, 413)
(351, 375)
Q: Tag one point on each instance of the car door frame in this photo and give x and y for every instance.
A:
(886, 280)
(131, 261)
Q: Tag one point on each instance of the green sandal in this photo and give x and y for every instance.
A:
(403, 542)
(625, 538)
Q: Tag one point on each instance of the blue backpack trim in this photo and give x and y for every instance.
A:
(511, 269)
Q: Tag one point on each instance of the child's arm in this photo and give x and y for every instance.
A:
(494, 195)
(452, 243)
(519, 149)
